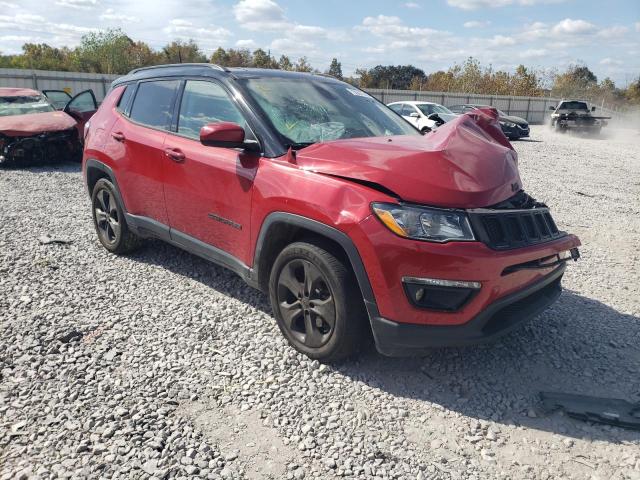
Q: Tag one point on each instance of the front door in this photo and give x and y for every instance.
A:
(410, 114)
(208, 189)
(81, 108)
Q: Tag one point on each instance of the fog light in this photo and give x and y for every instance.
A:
(2, 159)
(437, 294)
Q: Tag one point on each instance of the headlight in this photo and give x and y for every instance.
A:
(421, 223)
(508, 124)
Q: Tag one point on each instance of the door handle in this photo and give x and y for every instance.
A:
(174, 154)
(118, 136)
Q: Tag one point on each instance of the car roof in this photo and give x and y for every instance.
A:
(18, 92)
(414, 102)
(214, 71)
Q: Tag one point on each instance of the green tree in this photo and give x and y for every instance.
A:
(240, 57)
(285, 63)
(262, 59)
(180, 51)
(335, 69)
(104, 52)
(632, 93)
(220, 57)
(302, 65)
(41, 56)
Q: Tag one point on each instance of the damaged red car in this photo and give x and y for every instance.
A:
(346, 216)
(32, 131)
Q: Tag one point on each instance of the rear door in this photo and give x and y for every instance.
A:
(136, 145)
(81, 108)
(208, 189)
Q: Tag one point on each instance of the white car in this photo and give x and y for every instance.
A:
(423, 115)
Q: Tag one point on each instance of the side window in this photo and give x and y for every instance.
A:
(203, 103)
(406, 110)
(83, 102)
(396, 108)
(125, 99)
(153, 103)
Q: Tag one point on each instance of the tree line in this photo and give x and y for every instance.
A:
(113, 52)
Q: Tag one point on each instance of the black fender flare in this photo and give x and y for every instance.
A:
(329, 232)
(93, 164)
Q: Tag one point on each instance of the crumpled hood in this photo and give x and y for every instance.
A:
(33, 123)
(466, 163)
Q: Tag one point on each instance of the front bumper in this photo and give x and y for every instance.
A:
(47, 147)
(502, 274)
(519, 131)
(499, 318)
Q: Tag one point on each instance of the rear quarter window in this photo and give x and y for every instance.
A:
(125, 100)
(153, 103)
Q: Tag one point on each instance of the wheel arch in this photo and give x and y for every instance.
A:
(279, 229)
(95, 170)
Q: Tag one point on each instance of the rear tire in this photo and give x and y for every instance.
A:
(109, 220)
(316, 302)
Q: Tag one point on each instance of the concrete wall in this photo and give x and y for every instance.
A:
(75, 82)
(533, 109)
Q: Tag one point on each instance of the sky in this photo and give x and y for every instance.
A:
(430, 34)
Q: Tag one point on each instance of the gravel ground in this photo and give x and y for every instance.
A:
(160, 365)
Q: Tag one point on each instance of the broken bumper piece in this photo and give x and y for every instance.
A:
(611, 411)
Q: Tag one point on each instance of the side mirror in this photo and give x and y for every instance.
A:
(414, 115)
(552, 108)
(593, 109)
(222, 134)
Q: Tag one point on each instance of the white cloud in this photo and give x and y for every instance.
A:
(8, 5)
(248, 43)
(394, 28)
(611, 61)
(81, 4)
(183, 29)
(16, 38)
(533, 53)
(293, 47)
(475, 4)
(111, 16)
(637, 26)
(412, 5)
(573, 27)
(476, 24)
(37, 24)
(500, 41)
(613, 32)
(259, 15)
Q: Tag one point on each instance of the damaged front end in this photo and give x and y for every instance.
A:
(45, 147)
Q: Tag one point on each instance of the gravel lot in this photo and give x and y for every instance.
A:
(160, 365)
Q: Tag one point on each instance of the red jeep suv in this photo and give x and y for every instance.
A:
(328, 201)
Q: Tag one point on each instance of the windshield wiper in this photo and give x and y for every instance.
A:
(298, 145)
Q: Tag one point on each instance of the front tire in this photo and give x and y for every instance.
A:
(109, 220)
(316, 302)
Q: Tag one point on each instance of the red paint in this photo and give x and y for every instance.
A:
(222, 132)
(466, 163)
(18, 92)
(34, 123)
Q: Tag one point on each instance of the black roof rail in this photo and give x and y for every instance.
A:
(174, 65)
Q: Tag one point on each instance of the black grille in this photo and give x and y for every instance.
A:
(506, 229)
